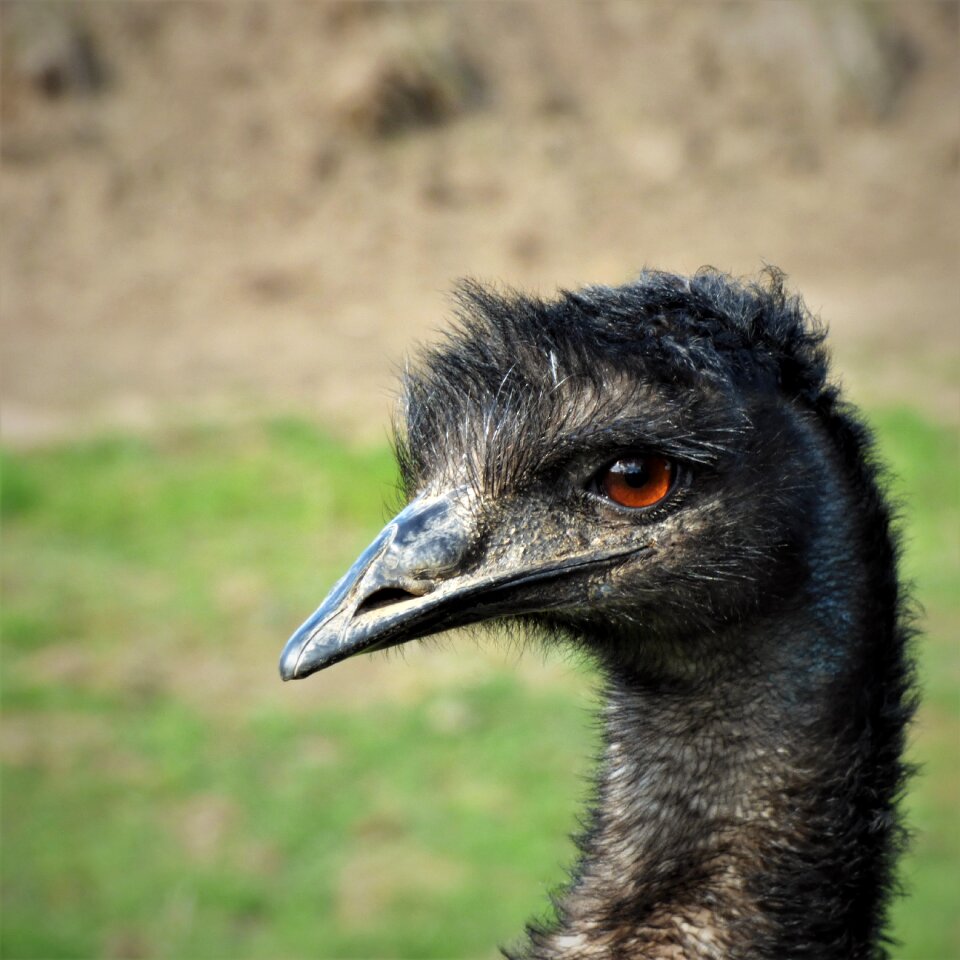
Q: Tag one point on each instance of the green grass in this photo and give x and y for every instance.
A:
(926, 470)
(165, 796)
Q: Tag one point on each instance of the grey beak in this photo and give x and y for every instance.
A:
(429, 570)
(385, 595)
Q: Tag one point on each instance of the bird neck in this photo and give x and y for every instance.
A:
(730, 811)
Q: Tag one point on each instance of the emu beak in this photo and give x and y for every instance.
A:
(387, 596)
(425, 573)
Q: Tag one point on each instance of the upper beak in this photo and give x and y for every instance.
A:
(422, 575)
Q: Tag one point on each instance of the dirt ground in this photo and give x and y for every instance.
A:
(216, 210)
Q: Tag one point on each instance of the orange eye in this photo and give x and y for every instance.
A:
(637, 481)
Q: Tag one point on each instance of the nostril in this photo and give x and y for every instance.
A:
(385, 597)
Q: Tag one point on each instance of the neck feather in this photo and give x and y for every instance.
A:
(739, 814)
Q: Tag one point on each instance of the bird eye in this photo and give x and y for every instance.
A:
(637, 481)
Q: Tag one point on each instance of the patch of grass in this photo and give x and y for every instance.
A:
(151, 815)
(164, 796)
(925, 468)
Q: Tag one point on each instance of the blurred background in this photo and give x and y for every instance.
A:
(224, 225)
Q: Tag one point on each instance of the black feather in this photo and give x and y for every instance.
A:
(758, 669)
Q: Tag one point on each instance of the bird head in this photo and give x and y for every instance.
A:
(629, 466)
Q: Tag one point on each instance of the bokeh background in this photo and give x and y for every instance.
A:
(224, 224)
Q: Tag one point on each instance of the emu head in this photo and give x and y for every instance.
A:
(632, 468)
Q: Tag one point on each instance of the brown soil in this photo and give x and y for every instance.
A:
(225, 209)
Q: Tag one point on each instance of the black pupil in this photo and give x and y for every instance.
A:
(634, 472)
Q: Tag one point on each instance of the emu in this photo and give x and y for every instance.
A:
(662, 475)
